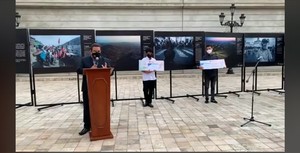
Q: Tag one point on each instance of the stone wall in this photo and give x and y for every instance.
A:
(158, 15)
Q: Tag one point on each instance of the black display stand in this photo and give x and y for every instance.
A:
(255, 82)
(168, 98)
(32, 95)
(235, 92)
(282, 83)
(269, 89)
(56, 104)
(187, 95)
(23, 61)
(217, 94)
(116, 94)
(251, 119)
(171, 96)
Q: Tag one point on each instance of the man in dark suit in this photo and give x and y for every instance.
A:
(95, 60)
(210, 75)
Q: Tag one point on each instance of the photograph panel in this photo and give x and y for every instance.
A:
(225, 48)
(123, 51)
(260, 48)
(55, 51)
(177, 52)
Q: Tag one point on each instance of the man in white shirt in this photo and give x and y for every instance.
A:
(149, 79)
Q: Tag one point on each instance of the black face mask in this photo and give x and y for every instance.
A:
(96, 55)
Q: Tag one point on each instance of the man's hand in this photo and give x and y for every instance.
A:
(200, 67)
(94, 66)
(148, 71)
(105, 65)
(111, 71)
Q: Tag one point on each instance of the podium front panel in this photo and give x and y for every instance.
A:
(99, 92)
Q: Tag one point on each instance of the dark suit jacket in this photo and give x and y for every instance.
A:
(87, 62)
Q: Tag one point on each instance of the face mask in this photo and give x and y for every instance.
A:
(209, 51)
(96, 54)
(149, 56)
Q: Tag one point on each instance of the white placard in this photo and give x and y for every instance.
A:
(153, 65)
(213, 64)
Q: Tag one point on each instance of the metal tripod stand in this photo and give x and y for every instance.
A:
(251, 119)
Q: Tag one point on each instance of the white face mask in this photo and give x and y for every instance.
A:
(209, 51)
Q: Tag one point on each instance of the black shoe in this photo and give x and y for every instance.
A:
(145, 105)
(84, 131)
(150, 105)
(213, 101)
(206, 101)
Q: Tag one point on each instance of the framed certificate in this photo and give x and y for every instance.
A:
(213, 64)
(153, 65)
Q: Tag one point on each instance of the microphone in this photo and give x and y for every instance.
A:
(259, 58)
(96, 61)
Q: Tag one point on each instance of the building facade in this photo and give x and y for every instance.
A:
(157, 15)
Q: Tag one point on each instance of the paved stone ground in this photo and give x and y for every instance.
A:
(186, 125)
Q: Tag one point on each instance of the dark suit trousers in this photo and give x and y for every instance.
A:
(212, 81)
(148, 88)
(86, 110)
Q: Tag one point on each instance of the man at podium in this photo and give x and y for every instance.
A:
(94, 60)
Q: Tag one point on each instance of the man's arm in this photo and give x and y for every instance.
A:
(203, 59)
(270, 57)
(148, 71)
(200, 67)
(107, 64)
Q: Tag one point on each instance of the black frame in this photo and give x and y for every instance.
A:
(146, 40)
(279, 60)
(240, 62)
(84, 45)
(25, 67)
(147, 37)
(227, 35)
(54, 104)
(198, 49)
(280, 90)
(22, 40)
(87, 37)
(197, 44)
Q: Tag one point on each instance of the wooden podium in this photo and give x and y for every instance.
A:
(98, 82)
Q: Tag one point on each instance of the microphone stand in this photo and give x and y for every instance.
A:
(251, 119)
(96, 61)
